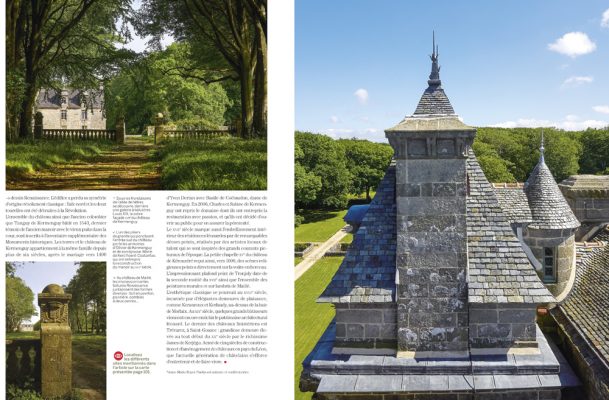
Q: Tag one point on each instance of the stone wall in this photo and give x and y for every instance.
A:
(590, 209)
(431, 254)
(588, 197)
(563, 240)
(52, 119)
(501, 325)
(366, 325)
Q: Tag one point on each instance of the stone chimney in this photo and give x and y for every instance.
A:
(431, 258)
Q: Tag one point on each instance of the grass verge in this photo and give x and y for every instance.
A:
(27, 157)
(311, 318)
(319, 225)
(224, 163)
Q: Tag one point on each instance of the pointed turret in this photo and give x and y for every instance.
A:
(549, 208)
(434, 101)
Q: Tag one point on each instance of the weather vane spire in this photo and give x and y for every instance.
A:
(434, 77)
(542, 148)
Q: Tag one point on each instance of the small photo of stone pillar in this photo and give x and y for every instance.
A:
(56, 318)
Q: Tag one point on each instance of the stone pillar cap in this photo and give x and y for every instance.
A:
(53, 289)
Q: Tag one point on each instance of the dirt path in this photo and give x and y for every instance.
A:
(121, 168)
(88, 374)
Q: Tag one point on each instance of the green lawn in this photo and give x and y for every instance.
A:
(347, 239)
(297, 260)
(319, 225)
(311, 318)
(26, 157)
(224, 163)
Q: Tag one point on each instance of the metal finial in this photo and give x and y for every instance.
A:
(434, 77)
(542, 149)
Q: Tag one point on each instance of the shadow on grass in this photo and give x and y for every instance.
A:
(317, 215)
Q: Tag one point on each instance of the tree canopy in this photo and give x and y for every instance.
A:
(149, 86)
(229, 37)
(87, 310)
(50, 43)
(19, 300)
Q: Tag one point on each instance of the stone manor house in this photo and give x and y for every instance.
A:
(71, 108)
(455, 288)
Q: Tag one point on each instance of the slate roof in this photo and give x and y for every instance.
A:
(51, 99)
(539, 203)
(514, 203)
(549, 208)
(434, 101)
(367, 273)
(356, 213)
(499, 271)
(587, 305)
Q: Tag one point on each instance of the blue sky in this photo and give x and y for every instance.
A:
(37, 275)
(362, 65)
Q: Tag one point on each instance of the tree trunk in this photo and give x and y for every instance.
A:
(25, 117)
(247, 97)
(260, 96)
(368, 193)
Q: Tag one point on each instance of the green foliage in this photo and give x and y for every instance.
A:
(367, 162)
(224, 163)
(19, 301)
(26, 157)
(595, 155)
(153, 85)
(504, 152)
(13, 392)
(324, 158)
(307, 185)
(88, 305)
(298, 219)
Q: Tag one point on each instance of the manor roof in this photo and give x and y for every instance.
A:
(51, 98)
(499, 271)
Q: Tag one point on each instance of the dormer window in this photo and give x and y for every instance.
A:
(64, 100)
(549, 265)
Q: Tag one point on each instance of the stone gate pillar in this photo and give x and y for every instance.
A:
(38, 119)
(120, 130)
(158, 128)
(55, 342)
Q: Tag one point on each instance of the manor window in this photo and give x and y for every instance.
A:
(549, 265)
(83, 115)
(64, 100)
(64, 114)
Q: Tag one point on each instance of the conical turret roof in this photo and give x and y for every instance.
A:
(549, 208)
(434, 101)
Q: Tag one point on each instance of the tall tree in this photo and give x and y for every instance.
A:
(19, 300)
(50, 40)
(367, 162)
(231, 44)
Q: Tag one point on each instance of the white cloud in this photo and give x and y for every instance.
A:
(605, 20)
(373, 134)
(601, 109)
(577, 80)
(573, 44)
(570, 123)
(334, 119)
(362, 95)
